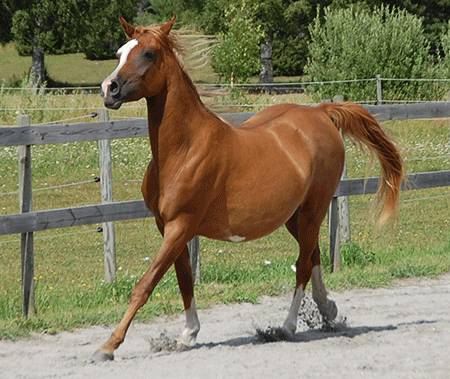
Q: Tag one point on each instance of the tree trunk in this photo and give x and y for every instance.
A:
(266, 74)
(38, 74)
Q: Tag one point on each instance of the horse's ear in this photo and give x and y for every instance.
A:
(128, 29)
(168, 27)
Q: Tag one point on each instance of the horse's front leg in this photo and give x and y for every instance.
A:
(150, 190)
(174, 244)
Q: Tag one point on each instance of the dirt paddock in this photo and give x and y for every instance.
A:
(397, 332)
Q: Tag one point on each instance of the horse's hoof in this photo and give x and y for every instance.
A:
(329, 311)
(101, 356)
(182, 347)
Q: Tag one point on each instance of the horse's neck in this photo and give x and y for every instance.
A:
(172, 118)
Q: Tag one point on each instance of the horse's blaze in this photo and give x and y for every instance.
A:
(122, 54)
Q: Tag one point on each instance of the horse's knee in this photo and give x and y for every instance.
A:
(139, 296)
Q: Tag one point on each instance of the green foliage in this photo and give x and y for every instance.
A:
(353, 254)
(355, 43)
(165, 9)
(289, 54)
(213, 19)
(238, 55)
(22, 29)
(53, 26)
(103, 34)
(90, 26)
(445, 45)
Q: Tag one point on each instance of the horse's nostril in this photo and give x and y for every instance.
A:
(114, 87)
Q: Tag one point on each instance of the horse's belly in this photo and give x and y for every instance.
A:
(247, 218)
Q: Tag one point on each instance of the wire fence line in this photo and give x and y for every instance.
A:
(96, 89)
(50, 188)
(223, 90)
(94, 180)
(91, 231)
(65, 120)
(221, 105)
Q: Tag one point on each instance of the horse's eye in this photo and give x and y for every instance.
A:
(150, 55)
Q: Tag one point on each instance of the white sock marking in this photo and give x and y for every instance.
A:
(290, 325)
(192, 327)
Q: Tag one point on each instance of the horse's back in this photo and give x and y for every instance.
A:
(305, 133)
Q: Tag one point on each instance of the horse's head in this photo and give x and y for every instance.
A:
(140, 60)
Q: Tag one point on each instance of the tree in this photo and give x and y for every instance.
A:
(46, 26)
(237, 56)
(434, 13)
(102, 34)
(285, 23)
(57, 27)
(356, 43)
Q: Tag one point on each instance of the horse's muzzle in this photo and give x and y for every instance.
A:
(110, 91)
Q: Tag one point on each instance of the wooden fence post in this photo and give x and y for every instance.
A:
(339, 225)
(344, 212)
(109, 240)
(335, 241)
(379, 91)
(27, 241)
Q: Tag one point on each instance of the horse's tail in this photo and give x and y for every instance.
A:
(358, 123)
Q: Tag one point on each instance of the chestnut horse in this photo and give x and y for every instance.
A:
(208, 178)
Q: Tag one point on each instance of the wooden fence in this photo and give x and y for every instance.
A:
(27, 222)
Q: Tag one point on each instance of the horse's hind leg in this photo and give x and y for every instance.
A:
(305, 229)
(327, 307)
(185, 282)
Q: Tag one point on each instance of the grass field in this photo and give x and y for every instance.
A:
(70, 290)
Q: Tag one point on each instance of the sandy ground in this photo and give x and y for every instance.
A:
(397, 332)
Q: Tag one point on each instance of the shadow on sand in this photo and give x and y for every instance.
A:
(166, 345)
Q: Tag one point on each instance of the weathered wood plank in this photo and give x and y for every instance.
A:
(432, 109)
(91, 131)
(66, 217)
(421, 180)
(92, 214)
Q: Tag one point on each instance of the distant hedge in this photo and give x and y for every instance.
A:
(356, 43)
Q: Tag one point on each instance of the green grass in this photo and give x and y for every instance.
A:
(70, 69)
(69, 272)
(74, 70)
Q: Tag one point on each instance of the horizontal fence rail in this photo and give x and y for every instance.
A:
(128, 210)
(93, 131)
